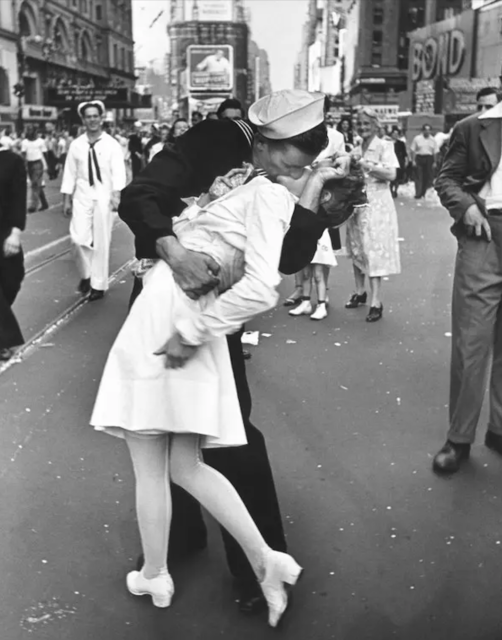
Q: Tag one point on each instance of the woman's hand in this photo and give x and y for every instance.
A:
(234, 178)
(176, 353)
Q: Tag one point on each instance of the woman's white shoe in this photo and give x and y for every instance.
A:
(303, 309)
(280, 570)
(320, 313)
(161, 588)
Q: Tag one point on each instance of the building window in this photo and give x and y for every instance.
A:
(131, 62)
(377, 38)
(4, 88)
(500, 25)
(377, 16)
(99, 12)
(123, 60)
(376, 58)
(115, 56)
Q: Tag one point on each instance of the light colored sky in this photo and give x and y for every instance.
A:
(276, 26)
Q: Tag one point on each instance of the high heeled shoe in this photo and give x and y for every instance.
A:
(280, 570)
(294, 299)
(161, 588)
(356, 299)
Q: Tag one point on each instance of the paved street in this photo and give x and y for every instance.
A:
(353, 413)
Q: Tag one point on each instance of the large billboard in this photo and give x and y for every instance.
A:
(443, 49)
(210, 68)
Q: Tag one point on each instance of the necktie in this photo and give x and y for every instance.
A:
(93, 158)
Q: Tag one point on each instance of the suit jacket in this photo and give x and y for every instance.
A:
(12, 193)
(472, 158)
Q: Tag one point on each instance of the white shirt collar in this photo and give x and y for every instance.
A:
(494, 112)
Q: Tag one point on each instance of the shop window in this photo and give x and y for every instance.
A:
(4, 88)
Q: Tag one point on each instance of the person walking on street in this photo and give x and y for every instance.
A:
(470, 187)
(12, 223)
(372, 234)
(33, 149)
(402, 157)
(423, 157)
(94, 175)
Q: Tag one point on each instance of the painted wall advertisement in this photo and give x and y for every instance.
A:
(210, 68)
(443, 49)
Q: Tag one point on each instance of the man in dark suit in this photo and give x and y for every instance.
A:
(470, 187)
(12, 223)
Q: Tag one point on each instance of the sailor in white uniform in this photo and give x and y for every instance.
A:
(94, 175)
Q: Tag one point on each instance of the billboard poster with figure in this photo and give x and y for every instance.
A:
(210, 68)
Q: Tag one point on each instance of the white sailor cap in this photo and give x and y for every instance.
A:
(288, 113)
(91, 103)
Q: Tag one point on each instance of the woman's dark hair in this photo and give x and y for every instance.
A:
(346, 194)
(170, 137)
(311, 142)
(343, 119)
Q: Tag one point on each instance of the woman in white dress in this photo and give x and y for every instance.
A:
(372, 234)
(169, 399)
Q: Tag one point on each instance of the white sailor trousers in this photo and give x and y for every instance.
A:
(91, 234)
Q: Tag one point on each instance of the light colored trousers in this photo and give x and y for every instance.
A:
(91, 234)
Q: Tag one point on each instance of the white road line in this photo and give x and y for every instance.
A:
(46, 247)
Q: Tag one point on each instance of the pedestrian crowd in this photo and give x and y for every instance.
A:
(218, 208)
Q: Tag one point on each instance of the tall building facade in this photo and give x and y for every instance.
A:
(377, 45)
(71, 44)
(208, 24)
(8, 63)
(319, 62)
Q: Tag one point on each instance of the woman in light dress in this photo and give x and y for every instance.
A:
(372, 233)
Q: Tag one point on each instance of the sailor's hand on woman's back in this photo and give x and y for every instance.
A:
(195, 273)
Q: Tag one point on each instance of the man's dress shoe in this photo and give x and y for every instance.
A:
(96, 294)
(448, 459)
(250, 597)
(494, 441)
(84, 286)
